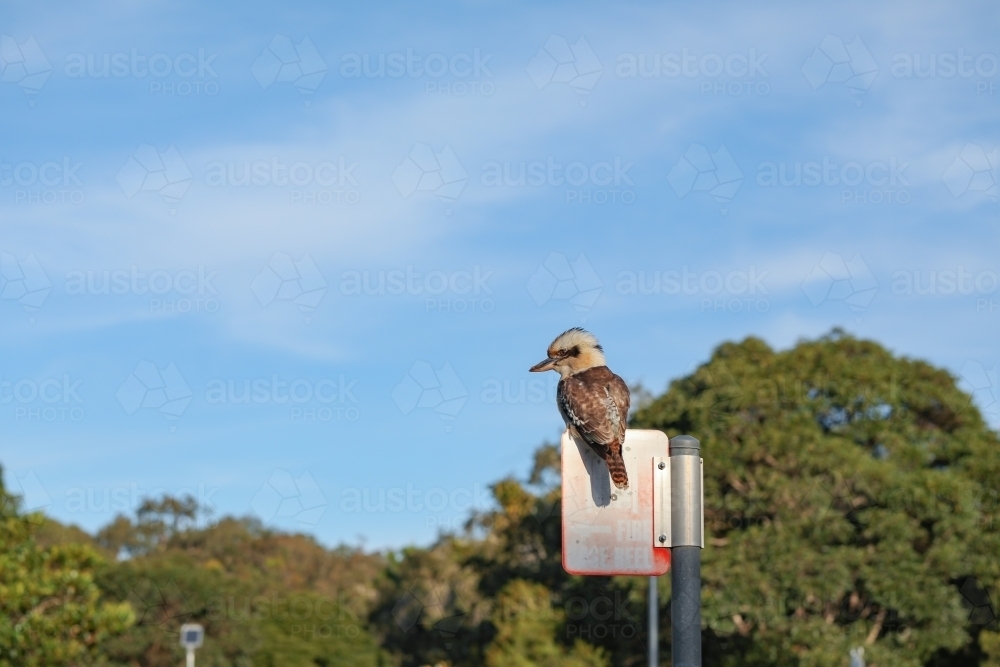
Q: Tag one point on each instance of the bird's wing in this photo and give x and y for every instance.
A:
(595, 402)
(619, 395)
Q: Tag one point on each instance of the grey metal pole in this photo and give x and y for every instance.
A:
(687, 526)
(654, 624)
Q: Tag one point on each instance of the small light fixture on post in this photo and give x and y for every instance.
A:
(192, 637)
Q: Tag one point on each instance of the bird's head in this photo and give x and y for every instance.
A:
(571, 352)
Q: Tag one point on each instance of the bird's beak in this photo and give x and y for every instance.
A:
(546, 365)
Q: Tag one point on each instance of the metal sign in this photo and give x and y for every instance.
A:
(605, 530)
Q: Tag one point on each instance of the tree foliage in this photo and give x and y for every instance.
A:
(851, 502)
(265, 599)
(51, 610)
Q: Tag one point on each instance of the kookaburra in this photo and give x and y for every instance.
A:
(593, 401)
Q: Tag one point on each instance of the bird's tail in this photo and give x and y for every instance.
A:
(616, 466)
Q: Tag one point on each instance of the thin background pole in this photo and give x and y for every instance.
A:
(654, 624)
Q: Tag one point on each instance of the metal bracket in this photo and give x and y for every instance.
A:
(701, 505)
(674, 504)
(661, 502)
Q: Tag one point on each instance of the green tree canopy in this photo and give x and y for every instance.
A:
(851, 500)
(51, 609)
(265, 598)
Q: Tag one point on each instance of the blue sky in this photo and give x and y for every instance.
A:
(208, 218)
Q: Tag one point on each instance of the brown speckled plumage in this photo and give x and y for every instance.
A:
(594, 404)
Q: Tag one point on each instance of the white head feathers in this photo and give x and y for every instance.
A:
(574, 338)
(573, 351)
